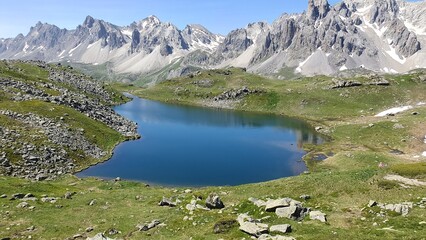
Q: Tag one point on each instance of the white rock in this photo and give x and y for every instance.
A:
(283, 228)
(254, 229)
(317, 215)
(271, 205)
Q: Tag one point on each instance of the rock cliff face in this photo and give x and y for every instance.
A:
(381, 35)
(326, 39)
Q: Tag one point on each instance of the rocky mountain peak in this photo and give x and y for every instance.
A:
(317, 9)
(89, 21)
(149, 22)
(384, 11)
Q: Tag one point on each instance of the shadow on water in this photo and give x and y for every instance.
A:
(193, 146)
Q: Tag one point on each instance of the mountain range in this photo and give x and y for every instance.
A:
(386, 36)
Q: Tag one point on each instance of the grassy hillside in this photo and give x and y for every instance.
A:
(28, 92)
(363, 151)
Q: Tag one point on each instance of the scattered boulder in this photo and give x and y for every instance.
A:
(213, 201)
(372, 203)
(236, 94)
(295, 211)
(167, 202)
(146, 227)
(379, 82)
(29, 195)
(99, 236)
(317, 215)
(283, 228)
(400, 208)
(305, 197)
(17, 196)
(77, 236)
(48, 199)
(272, 205)
(22, 205)
(113, 231)
(253, 228)
(344, 84)
(31, 228)
(3, 196)
(204, 83)
(244, 217)
(68, 195)
(93, 202)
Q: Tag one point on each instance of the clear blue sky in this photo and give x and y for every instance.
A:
(219, 16)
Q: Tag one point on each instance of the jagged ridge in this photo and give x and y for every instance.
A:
(384, 36)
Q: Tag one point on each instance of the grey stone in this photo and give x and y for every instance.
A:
(271, 205)
(17, 196)
(305, 197)
(213, 201)
(23, 205)
(68, 195)
(294, 211)
(99, 236)
(254, 229)
(92, 202)
(317, 215)
(146, 227)
(167, 202)
(372, 203)
(283, 228)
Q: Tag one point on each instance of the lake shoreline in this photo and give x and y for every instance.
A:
(233, 115)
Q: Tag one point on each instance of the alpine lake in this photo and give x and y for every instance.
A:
(193, 146)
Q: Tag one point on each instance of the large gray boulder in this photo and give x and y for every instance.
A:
(283, 228)
(254, 229)
(295, 212)
(213, 201)
(272, 205)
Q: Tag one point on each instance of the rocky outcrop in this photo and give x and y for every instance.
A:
(344, 84)
(236, 94)
(148, 226)
(252, 226)
(317, 9)
(400, 208)
(213, 201)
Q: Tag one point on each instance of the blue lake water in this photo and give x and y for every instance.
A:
(192, 146)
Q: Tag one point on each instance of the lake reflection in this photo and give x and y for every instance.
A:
(191, 146)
